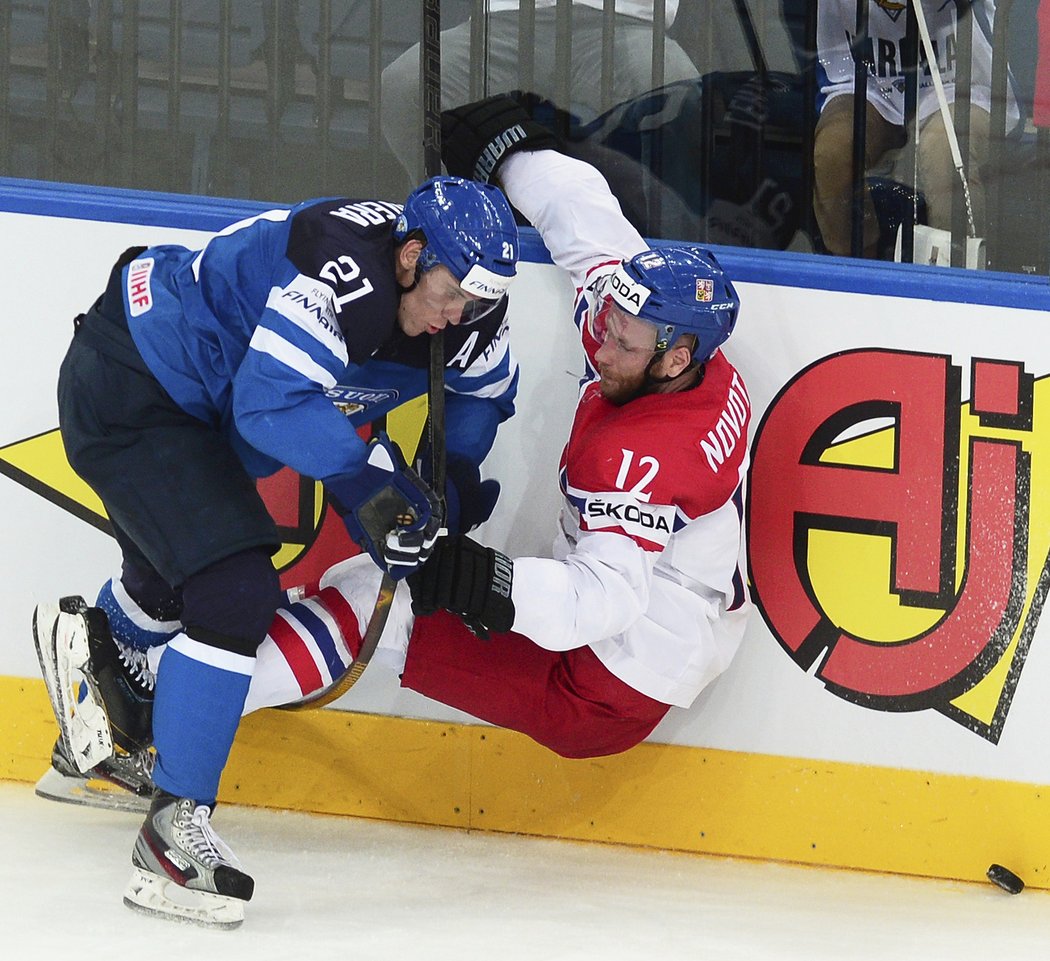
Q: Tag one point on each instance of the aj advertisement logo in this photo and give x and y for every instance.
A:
(895, 546)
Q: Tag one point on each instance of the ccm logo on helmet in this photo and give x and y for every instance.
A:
(628, 294)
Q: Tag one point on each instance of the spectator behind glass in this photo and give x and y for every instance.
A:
(885, 133)
(631, 64)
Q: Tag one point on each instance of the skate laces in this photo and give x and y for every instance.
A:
(136, 664)
(203, 843)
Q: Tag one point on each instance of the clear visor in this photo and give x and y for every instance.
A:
(607, 323)
(487, 290)
(598, 322)
(475, 310)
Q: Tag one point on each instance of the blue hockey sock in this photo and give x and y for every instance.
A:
(131, 625)
(197, 707)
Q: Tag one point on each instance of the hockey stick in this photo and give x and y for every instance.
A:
(946, 114)
(435, 433)
(430, 70)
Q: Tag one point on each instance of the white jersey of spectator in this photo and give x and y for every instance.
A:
(887, 22)
(632, 23)
(640, 9)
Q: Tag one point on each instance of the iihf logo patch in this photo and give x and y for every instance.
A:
(140, 298)
(705, 289)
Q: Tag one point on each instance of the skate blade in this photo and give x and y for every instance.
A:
(89, 791)
(152, 894)
(77, 700)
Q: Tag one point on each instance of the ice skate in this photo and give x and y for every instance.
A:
(60, 633)
(126, 683)
(183, 869)
(123, 782)
(101, 692)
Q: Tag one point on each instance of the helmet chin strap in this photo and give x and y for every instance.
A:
(693, 370)
(415, 282)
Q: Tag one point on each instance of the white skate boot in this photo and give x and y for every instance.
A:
(60, 633)
(183, 869)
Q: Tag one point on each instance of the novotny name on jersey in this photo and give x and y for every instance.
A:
(730, 427)
(652, 522)
(140, 298)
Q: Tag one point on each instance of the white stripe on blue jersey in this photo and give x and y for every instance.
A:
(267, 341)
(309, 304)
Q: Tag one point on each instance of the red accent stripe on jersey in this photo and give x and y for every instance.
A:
(296, 653)
(590, 270)
(345, 618)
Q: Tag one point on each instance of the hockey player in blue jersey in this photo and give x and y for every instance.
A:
(198, 371)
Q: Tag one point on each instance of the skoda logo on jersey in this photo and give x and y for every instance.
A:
(616, 509)
(353, 400)
(629, 294)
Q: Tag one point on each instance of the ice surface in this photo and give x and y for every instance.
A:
(343, 888)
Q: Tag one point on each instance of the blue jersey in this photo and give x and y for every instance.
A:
(282, 333)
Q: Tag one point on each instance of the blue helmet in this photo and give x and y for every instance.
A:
(469, 228)
(681, 290)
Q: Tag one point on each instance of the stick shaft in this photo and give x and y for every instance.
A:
(430, 71)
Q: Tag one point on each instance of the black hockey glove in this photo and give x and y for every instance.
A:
(477, 137)
(468, 579)
(388, 509)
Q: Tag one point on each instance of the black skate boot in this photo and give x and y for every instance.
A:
(123, 782)
(183, 869)
(125, 682)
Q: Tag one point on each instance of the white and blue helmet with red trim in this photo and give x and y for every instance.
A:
(680, 290)
(469, 228)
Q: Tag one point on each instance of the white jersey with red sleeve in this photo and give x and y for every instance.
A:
(646, 566)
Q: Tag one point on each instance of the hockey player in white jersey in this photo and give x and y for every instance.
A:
(194, 373)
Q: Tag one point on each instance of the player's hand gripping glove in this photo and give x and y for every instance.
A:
(388, 509)
(468, 579)
(477, 137)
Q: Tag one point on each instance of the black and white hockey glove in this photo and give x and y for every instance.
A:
(388, 509)
(477, 137)
(468, 579)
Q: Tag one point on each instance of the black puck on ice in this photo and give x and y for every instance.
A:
(1005, 879)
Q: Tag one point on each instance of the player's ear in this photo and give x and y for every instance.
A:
(679, 357)
(408, 254)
